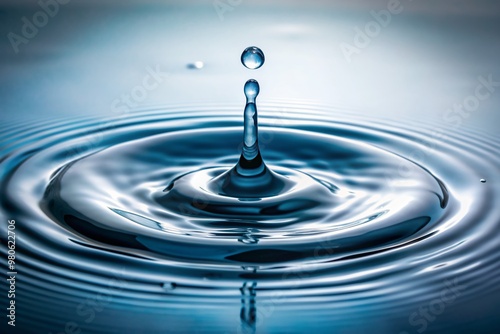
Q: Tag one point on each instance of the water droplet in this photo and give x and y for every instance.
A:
(252, 58)
(169, 286)
(250, 179)
(197, 65)
(483, 180)
(251, 89)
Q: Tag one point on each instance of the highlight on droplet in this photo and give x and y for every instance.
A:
(252, 58)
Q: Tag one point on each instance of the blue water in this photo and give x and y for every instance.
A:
(218, 218)
(379, 235)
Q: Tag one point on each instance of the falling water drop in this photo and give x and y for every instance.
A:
(252, 57)
(250, 178)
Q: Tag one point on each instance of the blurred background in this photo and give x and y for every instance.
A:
(396, 59)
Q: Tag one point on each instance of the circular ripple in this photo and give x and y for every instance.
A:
(342, 196)
(390, 202)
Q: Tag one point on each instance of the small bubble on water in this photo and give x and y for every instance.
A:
(483, 180)
(169, 286)
(252, 58)
(197, 65)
